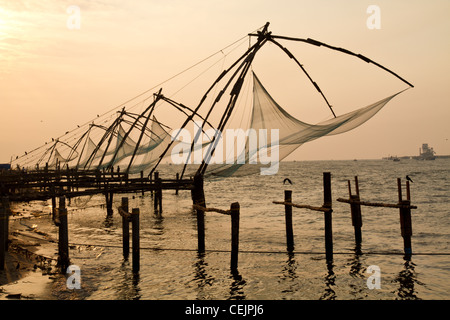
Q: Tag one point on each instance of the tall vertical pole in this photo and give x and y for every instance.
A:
(288, 220)
(198, 198)
(356, 218)
(135, 234)
(156, 197)
(3, 236)
(405, 218)
(235, 208)
(327, 203)
(63, 260)
(125, 229)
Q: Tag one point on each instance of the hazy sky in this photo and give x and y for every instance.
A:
(53, 77)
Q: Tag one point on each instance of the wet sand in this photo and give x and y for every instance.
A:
(27, 273)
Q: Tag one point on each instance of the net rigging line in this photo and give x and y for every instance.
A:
(221, 51)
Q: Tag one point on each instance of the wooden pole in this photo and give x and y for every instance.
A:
(327, 203)
(406, 227)
(357, 186)
(5, 204)
(135, 241)
(178, 178)
(3, 236)
(408, 192)
(125, 229)
(63, 259)
(399, 186)
(288, 220)
(142, 181)
(109, 201)
(198, 198)
(356, 218)
(235, 213)
(156, 198)
(159, 183)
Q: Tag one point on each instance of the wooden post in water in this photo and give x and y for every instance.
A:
(288, 220)
(356, 218)
(155, 192)
(235, 213)
(159, 195)
(5, 204)
(63, 254)
(198, 198)
(135, 241)
(405, 219)
(327, 203)
(142, 181)
(355, 209)
(177, 178)
(125, 229)
(3, 234)
(109, 202)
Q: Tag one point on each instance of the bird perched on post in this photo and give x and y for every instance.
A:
(408, 178)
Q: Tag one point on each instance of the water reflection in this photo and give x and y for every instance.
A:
(407, 278)
(201, 277)
(289, 273)
(330, 279)
(355, 264)
(237, 286)
(127, 286)
(108, 222)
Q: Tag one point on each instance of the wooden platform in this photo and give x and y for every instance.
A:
(46, 184)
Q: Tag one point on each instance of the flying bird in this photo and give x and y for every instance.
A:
(408, 179)
(287, 180)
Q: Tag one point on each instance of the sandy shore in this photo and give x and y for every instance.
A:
(27, 273)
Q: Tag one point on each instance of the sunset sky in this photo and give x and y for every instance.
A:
(54, 77)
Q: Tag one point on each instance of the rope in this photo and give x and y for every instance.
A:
(227, 212)
(268, 251)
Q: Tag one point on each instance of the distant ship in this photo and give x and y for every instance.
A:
(426, 153)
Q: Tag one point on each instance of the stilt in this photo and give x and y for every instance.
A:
(159, 195)
(355, 209)
(198, 198)
(63, 258)
(109, 202)
(288, 220)
(235, 208)
(125, 229)
(135, 244)
(4, 222)
(142, 181)
(327, 203)
(155, 192)
(405, 219)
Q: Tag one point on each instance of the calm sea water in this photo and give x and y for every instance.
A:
(266, 270)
